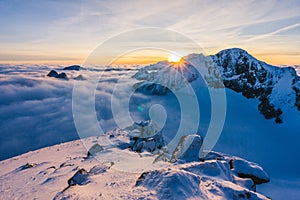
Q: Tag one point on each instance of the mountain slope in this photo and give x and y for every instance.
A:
(276, 88)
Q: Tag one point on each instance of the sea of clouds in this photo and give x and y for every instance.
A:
(36, 111)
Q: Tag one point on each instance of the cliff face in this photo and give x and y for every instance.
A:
(275, 87)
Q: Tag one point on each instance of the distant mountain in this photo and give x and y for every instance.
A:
(161, 77)
(276, 88)
(73, 67)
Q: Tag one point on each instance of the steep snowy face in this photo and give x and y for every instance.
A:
(277, 88)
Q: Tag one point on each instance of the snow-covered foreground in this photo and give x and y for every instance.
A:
(65, 171)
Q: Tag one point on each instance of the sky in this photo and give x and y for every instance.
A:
(62, 31)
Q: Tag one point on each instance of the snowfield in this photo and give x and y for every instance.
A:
(65, 171)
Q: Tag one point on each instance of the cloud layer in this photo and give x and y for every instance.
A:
(36, 111)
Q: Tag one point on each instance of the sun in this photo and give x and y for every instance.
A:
(174, 57)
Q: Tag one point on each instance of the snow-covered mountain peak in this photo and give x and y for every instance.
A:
(164, 76)
(234, 53)
(276, 88)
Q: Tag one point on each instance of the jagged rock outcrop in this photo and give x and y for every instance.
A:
(139, 137)
(243, 73)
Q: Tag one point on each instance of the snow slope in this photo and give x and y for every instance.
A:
(64, 171)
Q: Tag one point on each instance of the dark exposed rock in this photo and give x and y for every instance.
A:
(297, 91)
(144, 136)
(142, 177)
(96, 148)
(268, 110)
(256, 179)
(149, 144)
(231, 163)
(27, 166)
(79, 178)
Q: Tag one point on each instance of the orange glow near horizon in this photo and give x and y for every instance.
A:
(149, 57)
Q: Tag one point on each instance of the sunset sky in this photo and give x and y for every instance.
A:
(63, 31)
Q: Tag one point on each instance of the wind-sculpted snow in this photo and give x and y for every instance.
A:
(64, 172)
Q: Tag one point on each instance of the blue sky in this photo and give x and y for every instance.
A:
(67, 31)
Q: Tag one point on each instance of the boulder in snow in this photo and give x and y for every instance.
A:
(246, 169)
(188, 148)
(79, 178)
(96, 148)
